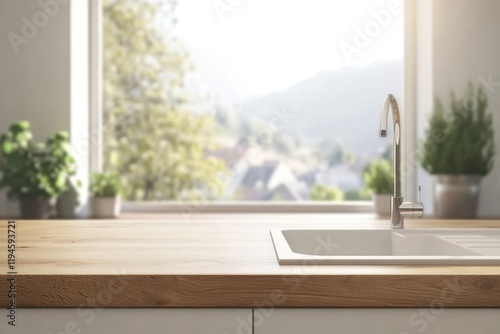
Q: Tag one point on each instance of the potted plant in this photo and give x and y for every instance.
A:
(32, 173)
(68, 202)
(105, 191)
(458, 152)
(379, 178)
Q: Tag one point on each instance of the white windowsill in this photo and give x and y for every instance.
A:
(249, 207)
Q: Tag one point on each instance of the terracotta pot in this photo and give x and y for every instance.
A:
(36, 207)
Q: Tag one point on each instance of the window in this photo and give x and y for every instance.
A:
(247, 100)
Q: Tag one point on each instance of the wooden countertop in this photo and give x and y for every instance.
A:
(216, 260)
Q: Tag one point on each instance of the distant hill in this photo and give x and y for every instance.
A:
(341, 105)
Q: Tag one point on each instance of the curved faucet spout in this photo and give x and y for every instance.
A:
(390, 100)
(399, 208)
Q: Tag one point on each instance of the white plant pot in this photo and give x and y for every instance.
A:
(105, 207)
(382, 204)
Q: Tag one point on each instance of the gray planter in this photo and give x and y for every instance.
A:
(66, 205)
(382, 204)
(68, 202)
(105, 207)
(36, 207)
(456, 196)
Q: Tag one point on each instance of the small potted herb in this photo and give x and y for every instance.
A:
(33, 173)
(379, 178)
(105, 190)
(458, 151)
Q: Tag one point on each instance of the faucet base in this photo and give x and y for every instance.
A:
(397, 220)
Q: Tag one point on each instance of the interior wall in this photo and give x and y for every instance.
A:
(466, 48)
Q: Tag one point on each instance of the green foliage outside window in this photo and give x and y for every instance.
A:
(323, 193)
(154, 138)
(362, 194)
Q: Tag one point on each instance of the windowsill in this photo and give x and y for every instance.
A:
(249, 207)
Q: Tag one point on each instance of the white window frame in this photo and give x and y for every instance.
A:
(96, 130)
(95, 77)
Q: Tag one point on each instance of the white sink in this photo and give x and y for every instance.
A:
(385, 246)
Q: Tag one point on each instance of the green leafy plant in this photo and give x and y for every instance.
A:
(379, 177)
(357, 195)
(460, 141)
(34, 170)
(105, 185)
(322, 193)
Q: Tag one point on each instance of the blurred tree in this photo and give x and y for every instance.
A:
(152, 137)
(323, 193)
(357, 195)
(226, 118)
(387, 154)
(283, 144)
(340, 154)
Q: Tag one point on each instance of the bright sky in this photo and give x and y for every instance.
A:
(264, 46)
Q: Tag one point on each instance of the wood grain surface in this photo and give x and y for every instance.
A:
(217, 260)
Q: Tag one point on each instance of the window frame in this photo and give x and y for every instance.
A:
(96, 130)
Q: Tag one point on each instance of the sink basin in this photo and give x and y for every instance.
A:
(385, 246)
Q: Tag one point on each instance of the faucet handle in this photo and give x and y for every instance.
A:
(413, 209)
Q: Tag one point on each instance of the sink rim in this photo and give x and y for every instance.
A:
(286, 256)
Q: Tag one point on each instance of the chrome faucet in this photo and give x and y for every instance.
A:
(399, 208)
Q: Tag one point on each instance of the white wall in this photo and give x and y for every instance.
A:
(459, 43)
(36, 79)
